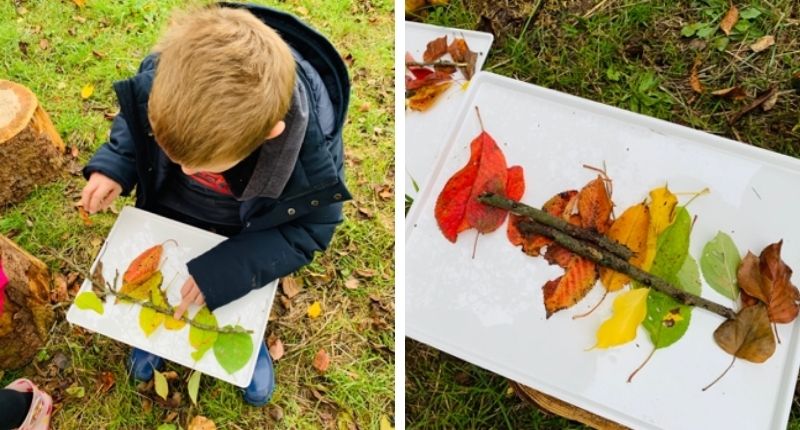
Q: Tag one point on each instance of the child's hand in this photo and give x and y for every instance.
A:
(190, 293)
(99, 192)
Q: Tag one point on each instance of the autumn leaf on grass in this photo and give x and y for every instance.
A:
(662, 210)
(425, 97)
(694, 77)
(748, 336)
(768, 279)
(729, 20)
(435, 49)
(763, 43)
(667, 320)
(720, 262)
(629, 310)
(461, 53)
(202, 340)
(322, 361)
(732, 93)
(457, 206)
(87, 91)
(630, 229)
(532, 244)
(594, 205)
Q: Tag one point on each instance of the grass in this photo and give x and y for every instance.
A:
(104, 41)
(636, 55)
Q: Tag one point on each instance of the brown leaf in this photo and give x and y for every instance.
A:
(44, 44)
(201, 423)
(435, 49)
(275, 346)
(290, 287)
(105, 381)
(366, 213)
(763, 97)
(694, 78)
(74, 152)
(729, 20)
(84, 216)
(461, 53)
(768, 279)
(748, 336)
(763, 43)
(365, 273)
(321, 361)
(733, 93)
(352, 284)
(770, 102)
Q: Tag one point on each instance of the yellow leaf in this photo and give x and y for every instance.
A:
(385, 424)
(87, 91)
(629, 310)
(315, 310)
(150, 320)
(662, 212)
(465, 85)
(630, 229)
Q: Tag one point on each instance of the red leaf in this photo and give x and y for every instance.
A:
(457, 207)
(432, 78)
(420, 72)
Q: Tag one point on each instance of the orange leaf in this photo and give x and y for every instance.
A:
(566, 290)
(322, 361)
(630, 229)
(143, 266)
(435, 49)
(594, 205)
(729, 20)
(533, 244)
(461, 53)
(694, 78)
(424, 98)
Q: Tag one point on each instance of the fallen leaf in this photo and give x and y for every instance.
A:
(105, 381)
(275, 346)
(202, 340)
(768, 279)
(233, 350)
(162, 388)
(630, 229)
(150, 320)
(758, 101)
(84, 216)
(289, 287)
(662, 210)
(314, 310)
(770, 102)
(719, 263)
(629, 310)
(142, 290)
(44, 44)
(729, 20)
(88, 300)
(435, 49)
(532, 244)
(763, 43)
(385, 424)
(579, 277)
(351, 284)
(461, 53)
(425, 97)
(144, 265)
(594, 205)
(457, 206)
(59, 293)
(87, 91)
(694, 77)
(321, 361)
(201, 423)
(193, 386)
(76, 391)
(733, 93)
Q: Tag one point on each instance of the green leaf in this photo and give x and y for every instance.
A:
(719, 262)
(88, 300)
(688, 277)
(194, 386)
(750, 13)
(150, 320)
(691, 29)
(202, 340)
(706, 30)
(76, 391)
(233, 350)
(167, 427)
(162, 389)
(721, 43)
(667, 320)
(613, 75)
(742, 26)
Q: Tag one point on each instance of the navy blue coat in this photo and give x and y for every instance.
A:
(278, 236)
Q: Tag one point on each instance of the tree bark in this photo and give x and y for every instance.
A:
(27, 315)
(31, 151)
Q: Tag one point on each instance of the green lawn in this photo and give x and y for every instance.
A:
(56, 47)
(630, 54)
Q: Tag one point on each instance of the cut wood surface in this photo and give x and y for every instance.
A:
(31, 151)
(27, 315)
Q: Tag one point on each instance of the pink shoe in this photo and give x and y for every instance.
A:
(41, 406)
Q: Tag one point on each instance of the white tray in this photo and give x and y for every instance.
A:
(426, 131)
(489, 310)
(136, 230)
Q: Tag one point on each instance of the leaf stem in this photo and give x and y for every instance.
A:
(720, 376)
(596, 305)
(646, 360)
(480, 120)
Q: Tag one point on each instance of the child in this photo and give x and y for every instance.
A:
(234, 128)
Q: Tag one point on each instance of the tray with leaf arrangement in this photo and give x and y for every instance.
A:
(135, 285)
(632, 267)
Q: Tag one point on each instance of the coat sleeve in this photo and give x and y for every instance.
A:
(116, 158)
(253, 259)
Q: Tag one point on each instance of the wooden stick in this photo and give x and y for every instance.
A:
(557, 223)
(435, 63)
(607, 259)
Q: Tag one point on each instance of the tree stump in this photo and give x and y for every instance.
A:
(31, 151)
(564, 409)
(27, 315)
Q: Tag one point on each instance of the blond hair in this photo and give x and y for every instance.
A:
(224, 80)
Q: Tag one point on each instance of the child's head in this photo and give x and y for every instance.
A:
(223, 85)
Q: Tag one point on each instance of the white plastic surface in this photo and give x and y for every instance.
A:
(489, 310)
(426, 131)
(136, 230)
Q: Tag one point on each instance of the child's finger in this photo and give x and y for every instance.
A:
(97, 199)
(86, 195)
(199, 300)
(185, 302)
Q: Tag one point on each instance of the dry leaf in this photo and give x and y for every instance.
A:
(201, 423)
(763, 43)
(351, 284)
(424, 98)
(321, 361)
(84, 216)
(314, 310)
(435, 49)
(694, 78)
(290, 287)
(762, 97)
(59, 293)
(768, 279)
(87, 91)
(733, 93)
(44, 44)
(770, 102)
(729, 20)
(275, 346)
(105, 381)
